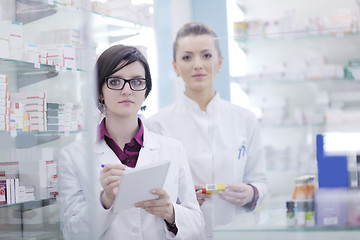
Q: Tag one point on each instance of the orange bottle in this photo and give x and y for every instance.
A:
(301, 191)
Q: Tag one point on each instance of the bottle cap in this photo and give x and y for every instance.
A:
(290, 205)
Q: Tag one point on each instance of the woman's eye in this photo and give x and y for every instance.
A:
(136, 82)
(207, 55)
(114, 82)
(186, 58)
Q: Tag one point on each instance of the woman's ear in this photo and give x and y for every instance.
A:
(101, 99)
(221, 59)
(175, 69)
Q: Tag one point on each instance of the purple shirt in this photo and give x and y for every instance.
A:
(130, 154)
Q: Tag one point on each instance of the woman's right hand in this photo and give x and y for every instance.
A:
(201, 197)
(110, 177)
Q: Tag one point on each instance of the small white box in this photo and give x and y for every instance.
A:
(32, 170)
(4, 39)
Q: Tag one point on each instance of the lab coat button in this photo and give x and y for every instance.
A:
(135, 230)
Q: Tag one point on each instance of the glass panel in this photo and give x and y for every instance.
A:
(45, 81)
(48, 51)
(298, 85)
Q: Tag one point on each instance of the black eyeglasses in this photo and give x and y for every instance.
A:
(117, 83)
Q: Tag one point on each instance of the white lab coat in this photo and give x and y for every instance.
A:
(223, 145)
(80, 194)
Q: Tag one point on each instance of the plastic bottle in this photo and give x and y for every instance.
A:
(290, 214)
(300, 190)
(310, 182)
(301, 213)
(310, 214)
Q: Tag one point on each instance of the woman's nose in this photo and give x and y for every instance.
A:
(198, 64)
(126, 89)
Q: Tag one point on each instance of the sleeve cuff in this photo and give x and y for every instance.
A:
(251, 205)
(171, 227)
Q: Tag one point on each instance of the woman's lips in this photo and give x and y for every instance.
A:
(126, 101)
(199, 76)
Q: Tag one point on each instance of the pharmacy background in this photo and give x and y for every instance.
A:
(294, 64)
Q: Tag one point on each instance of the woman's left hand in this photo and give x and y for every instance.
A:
(237, 193)
(161, 207)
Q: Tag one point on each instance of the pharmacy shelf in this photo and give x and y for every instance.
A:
(29, 205)
(32, 10)
(119, 22)
(11, 140)
(270, 81)
(32, 235)
(287, 229)
(28, 73)
(291, 36)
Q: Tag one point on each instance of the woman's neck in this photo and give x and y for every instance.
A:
(122, 130)
(202, 98)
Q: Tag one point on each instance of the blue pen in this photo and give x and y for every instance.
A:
(241, 150)
(102, 165)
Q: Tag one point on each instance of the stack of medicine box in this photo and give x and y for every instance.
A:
(28, 111)
(11, 39)
(4, 103)
(59, 116)
(9, 178)
(37, 170)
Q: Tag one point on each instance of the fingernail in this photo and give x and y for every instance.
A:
(152, 191)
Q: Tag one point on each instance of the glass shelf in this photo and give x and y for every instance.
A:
(29, 65)
(290, 36)
(291, 125)
(286, 229)
(29, 139)
(33, 235)
(29, 205)
(265, 80)
(305, 125)
(123, 22)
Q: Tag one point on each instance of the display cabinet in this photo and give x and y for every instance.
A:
(42, 109)
(47, 55)
(299, 74)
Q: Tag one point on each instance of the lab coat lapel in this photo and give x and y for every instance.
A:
(148, 153)
(104, 154)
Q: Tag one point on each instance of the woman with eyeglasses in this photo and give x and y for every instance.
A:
(124, 81)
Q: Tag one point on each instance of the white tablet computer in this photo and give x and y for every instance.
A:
(136, 184)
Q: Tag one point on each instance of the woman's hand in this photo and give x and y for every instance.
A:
(237, 193)
(110, 177)
(161, 207)
(201, 197)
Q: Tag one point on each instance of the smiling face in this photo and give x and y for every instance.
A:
(197, 62)
(125, 102)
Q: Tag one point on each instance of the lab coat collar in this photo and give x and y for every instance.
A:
(211, 108)
(149, 142)
(147, 153)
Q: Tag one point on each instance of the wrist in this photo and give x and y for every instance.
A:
(105, 200)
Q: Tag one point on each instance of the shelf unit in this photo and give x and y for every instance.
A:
(39, 218)
(282, 68)
(304, 112)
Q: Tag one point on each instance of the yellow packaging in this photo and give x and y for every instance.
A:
(213, 188)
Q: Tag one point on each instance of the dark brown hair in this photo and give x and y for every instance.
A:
(109, 62)
(196, 29)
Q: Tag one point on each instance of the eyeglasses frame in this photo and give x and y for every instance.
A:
(125, 81)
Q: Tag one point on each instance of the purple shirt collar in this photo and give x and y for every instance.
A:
(138, 136)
